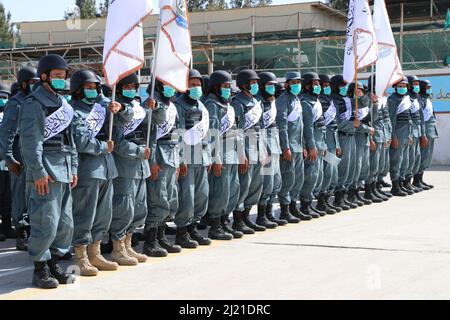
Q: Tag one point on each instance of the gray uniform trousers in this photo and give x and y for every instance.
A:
(223, 191)
(361, 164)
(399, 157)
(345, 167)
(292, 178)
(426, 156)
(312, 170)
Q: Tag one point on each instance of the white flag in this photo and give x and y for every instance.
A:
(360, 40)
(123, 52)
(174, 52)
(389, 69)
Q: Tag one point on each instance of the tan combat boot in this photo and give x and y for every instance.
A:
(140, 257)
(97, 260)
(120, 255)
(82, 261)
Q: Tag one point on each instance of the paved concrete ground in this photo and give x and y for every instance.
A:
(398, 249)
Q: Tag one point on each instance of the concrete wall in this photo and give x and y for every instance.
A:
(442, 147)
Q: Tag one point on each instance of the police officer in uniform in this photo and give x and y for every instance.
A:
(195, 162)
(130, 155)
(418, 133)
(9, 150)
(376, 148)
(328, 182)
(5, 182)
(223, 178)
(385, 155)
(92, 208)
(400, 115)
(271, 169)
(290, 126)
(426, 146)
(346, 131)
(249, 120)
(162, 192)
(50, 158)
(314, 134)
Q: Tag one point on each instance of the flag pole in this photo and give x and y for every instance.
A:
(372, 88)
(356, 121)
(111, 115)
(152, 91)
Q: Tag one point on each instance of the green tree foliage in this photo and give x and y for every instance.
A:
(6, 34)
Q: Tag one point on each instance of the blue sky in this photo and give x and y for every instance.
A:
(38, 10)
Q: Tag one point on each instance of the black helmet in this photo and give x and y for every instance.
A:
(324, 78)
(193, 73)
(107, 92)
(218, 77)
(424, 84)
(267, 77)
(26, 74)
(50, 62)
(402, 80)
(14, 88)
(310, 77)
(293, 75)
(81, 77)
(131, 79)
(279, 89)
(4, 89)
(336, 81)
(411, 79)
(205, 83)
(245, 76)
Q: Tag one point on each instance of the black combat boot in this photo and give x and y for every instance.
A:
(6, 227)
(184, 240)
(330, 204)
(418, 184)
(249, 223)
(216, 232)
(377, 193)
(396, 190)
(322, 204)
(170, 231)
(299, 214)
(239, 225)
(404, 187)
(385, 193)
(271, 217)
(165, 243)
(22, 240)
(2, 236)
(339, 200)
(42, 278)
(430, 186)
(285, 214)
(227, 229)
(305, 209)
(262, 219)
(58, 273)
(385, 184)
(368, 194)
(196, 236)
(152, 248)
(204, 223)
(361, 198)
(317, 211)
(351, 199)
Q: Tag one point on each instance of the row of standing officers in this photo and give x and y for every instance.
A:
(208, 154)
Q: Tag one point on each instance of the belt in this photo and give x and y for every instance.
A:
(346, 134)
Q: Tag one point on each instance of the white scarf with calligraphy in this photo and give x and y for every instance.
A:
(253, 116)
(58, 121)
(348, 112)
(363, 112)
(196, 134)
(227, 120)
(296, 112)
(404, 105)
(428, 110)
(270, 115)
(165, 127)
(415, 106)
(139, 115)
(1, 117)
(317, 110)
(95, 120)
(330, 114)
